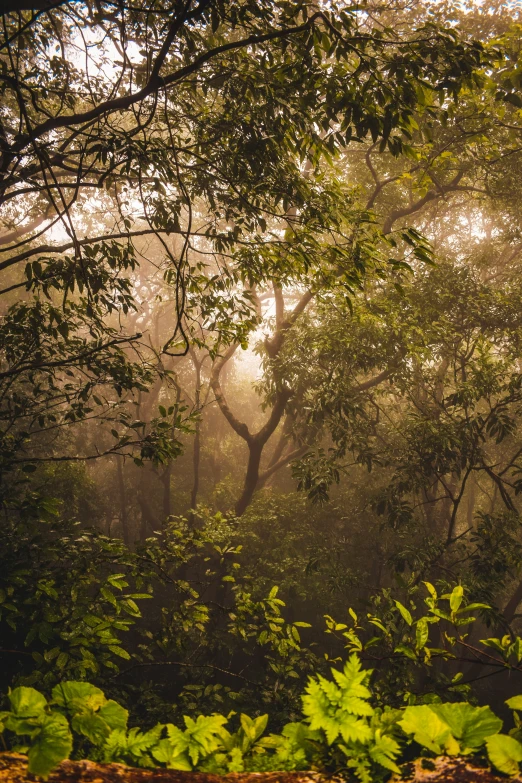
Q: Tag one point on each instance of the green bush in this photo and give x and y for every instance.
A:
(340, 730)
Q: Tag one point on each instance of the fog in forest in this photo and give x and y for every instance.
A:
(261, 352)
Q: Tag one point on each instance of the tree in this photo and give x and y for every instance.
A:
(199, 132)
(455, 160)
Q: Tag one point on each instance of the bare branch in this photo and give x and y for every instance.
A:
(238, 426)
(285, 460)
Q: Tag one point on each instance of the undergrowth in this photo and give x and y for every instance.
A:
(340, 730)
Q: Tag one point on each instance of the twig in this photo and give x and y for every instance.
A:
(188, 666)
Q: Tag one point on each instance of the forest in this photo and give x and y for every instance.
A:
(261, 383)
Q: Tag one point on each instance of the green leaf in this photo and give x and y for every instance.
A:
(91, 726)
(116, 581)
(253, 728)
(472, 607)
(167, 754)
(334, 707)
(260, 724)
(422, 633)
(354, 729)
(494, 643)
(114, 715)
(138, 742)
(203, 734)
(236, 761)
(515, 703)
(52, 745)
(61, 661)
(470, 725)
(77, 696)
(27, 702)
(431, 590)
(428, 729)
(119, 651)
(401, 648)
(384, 750)
(299, 733)
(504, 753)
(92, 715)
(116, 746)
(456, 598)
(201, 738)
(406, 615)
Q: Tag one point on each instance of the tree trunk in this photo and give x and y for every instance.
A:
(283, 440)
(123, 503)
(148, 521)
(255, 449)
(472, 499)
(196, 456)
(167, 473)
(511, 607)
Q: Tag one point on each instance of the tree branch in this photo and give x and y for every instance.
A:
(273, 345)
(156, 82)
(68, 246)
(290, 457)
(375, 381)
(431, 195)
(282, 397)
(238, 426)
(188, 666)
(69, 360)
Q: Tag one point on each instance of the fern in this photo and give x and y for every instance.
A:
(384, 751)
(334, 707)
(341, 709)
(183, 749)
(131, 747)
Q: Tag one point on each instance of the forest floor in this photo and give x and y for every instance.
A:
(13, 769)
